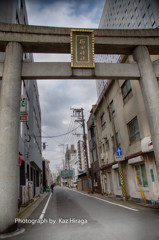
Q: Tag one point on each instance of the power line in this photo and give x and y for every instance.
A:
(61, 134)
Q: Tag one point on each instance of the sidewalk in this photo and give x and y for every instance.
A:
(120, 200)
(25, 212)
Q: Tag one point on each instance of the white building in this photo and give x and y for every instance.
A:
(126, 14)
(71, 163)
(14, 11)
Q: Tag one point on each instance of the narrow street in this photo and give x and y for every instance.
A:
(99, 219)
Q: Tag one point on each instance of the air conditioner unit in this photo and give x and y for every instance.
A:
(24, 194)
(146, 144)
(106, 155)
(102, 156)
(30, 190)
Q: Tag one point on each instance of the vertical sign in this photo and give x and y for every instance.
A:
(24, 109)
(23, 106)
(152, 175)
(82, 49)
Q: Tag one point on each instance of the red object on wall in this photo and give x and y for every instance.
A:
(19, 161)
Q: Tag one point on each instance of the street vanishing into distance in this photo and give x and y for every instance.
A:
(69, 214)
(92, 173)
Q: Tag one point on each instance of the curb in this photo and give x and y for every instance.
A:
(120, 200)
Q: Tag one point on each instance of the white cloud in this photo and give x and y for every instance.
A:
(60, 14)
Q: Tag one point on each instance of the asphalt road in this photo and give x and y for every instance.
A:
(71, 215)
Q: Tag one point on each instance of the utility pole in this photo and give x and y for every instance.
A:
(68, 164)
(78, 113)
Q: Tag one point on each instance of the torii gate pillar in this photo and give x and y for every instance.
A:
(150, 92)
(9, 135)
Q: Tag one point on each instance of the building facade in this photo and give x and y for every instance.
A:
(126, 14)
(94, 152)
(30, 169)
(71, 165)
(121, 122)
(47, 176)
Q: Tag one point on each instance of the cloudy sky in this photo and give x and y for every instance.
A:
(57, 97)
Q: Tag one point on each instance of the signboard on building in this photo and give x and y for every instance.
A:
(23, 105)
(118, 152)
(19, 161)
(24, 118)
(119, 158)
(67, 173)
(82, 49)
(24, 109)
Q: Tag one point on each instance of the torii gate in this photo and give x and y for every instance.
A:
(16, 39)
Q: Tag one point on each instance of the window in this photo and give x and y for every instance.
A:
(111, 109)
(141, 4)
(92, 131)
(150, 11)
(113, 145)
(118, 178)
(94, 155)
(142, 12)
(117, 139)
(126, 91)
(147, 3)
(152, 19)
(135, 6)
(146, 25)
(139, 25)
(133, 128)
(138, 20)
(131, 14)
(103, 121)
(37, 178)
(140, 171)
(107, 145)
(17, 19)
(103, 147)
(19, 4)
(145, 19)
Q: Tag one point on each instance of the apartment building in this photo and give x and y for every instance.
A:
(47, 176)
(30, 169)
(94, 151)
(119, 121)
(71, 165)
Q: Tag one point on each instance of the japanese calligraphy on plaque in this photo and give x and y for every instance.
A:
(82, 49)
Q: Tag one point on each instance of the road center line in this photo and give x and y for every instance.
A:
(44, 209)
(132, 209)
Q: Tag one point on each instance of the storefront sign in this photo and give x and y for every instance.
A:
(23, 106)
(119, 158)
(152, 175)
(82, 49)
